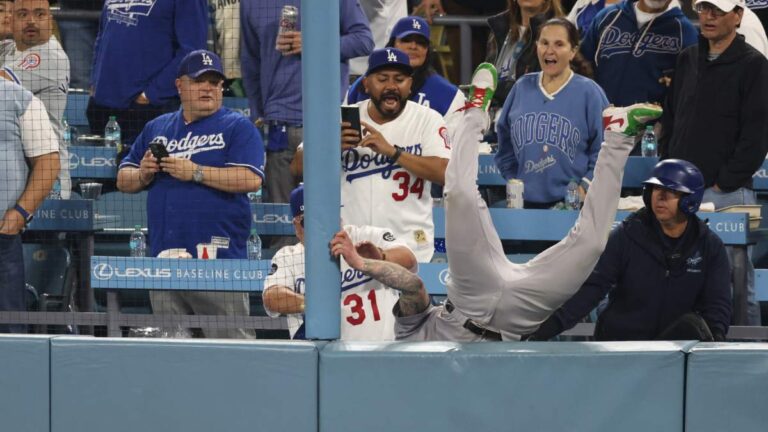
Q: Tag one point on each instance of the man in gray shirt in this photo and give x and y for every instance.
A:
(29, 164)
(40, 65)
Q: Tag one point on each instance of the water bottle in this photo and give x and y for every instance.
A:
(55, 192)
(112, 133)
(648, 145)
(254, 197)
(572, 197)
(138, 243)
(254, 245)
(66, 132)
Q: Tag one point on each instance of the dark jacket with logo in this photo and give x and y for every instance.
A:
(717, 113)
(649, 286)
(629, 60)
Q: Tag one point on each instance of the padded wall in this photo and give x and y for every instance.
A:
(727, 387)
(502, 386)
(24, 383)
(124, 385)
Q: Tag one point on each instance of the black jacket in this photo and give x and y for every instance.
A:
(717, 113)
(528, 61)
(649, 287)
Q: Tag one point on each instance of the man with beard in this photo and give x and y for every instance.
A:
(386, 176)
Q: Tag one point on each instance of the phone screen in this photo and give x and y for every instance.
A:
(158, 150)
(351, 114)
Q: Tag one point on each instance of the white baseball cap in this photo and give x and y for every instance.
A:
(725, 5)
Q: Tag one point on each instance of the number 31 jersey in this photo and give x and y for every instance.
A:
(366, 304)
(376, 192)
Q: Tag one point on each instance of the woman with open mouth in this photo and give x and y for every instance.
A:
(550, 129)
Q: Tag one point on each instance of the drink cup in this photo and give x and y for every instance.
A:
(206, 251)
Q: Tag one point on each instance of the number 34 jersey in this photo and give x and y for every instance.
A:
(366, 304)
(376, 192)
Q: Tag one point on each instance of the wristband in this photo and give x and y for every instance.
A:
(25, 214)
(398, 152)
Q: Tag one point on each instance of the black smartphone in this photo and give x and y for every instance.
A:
(158, 151)
(351, 115)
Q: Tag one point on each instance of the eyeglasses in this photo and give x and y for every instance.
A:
(711, 9)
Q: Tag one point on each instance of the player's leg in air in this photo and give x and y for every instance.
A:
(484, 286)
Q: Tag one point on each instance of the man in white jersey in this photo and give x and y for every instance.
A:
(39, 64)
(490, 298)
(366, 303)
(387, 176)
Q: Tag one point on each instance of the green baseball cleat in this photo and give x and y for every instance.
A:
(630, 120)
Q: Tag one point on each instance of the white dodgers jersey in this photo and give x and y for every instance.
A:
(366, 304)
(376, 192)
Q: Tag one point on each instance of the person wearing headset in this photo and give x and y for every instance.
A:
(666, 274)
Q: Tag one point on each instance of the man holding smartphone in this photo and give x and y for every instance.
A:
(387, 172)
(197, 193)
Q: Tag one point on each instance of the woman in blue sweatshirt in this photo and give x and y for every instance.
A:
(550, 128)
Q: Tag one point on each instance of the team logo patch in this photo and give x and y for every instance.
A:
(31, 61)
(273, 269)
(388, 236)
(420, 236)
(444, 135)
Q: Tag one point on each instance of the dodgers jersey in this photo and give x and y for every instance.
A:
(366, 304)
(182, 214)
(546, 140)
(376, 192)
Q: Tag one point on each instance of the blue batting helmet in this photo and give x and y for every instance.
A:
(677, 175)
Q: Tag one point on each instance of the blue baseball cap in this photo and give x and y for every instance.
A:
(410, 25)
(297, 201)
(388, 58)
(199, 62)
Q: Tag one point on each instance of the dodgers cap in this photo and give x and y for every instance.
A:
(388, 58)
(199, 62)
(725, 5)
(297, 201)
(410, 25)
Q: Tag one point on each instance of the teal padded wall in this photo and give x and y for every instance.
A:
(532, 386)
(24, 383)
(125, 385)
(727, 387)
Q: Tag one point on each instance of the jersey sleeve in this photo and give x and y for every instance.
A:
(37, 136)
(435, 139)
(246, 147)
(282, 272)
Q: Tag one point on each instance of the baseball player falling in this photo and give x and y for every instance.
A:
(490, 298)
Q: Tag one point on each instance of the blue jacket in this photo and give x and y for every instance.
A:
(139, 48)
(647, 289)
(273, 81)
(629, 61)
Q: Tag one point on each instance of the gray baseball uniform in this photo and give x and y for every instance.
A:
(44, 70)
(501, 296)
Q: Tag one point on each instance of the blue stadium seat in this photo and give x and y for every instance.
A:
(48, 271)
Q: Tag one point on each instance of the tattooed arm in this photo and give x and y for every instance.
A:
(413, 299)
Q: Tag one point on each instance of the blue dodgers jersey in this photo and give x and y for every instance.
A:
(183, 214)
(436, 93)
(545, 142)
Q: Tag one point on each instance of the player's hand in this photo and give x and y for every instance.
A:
(178, 168)
(665, 81)
(148, 168)
(349, 137)
(368, 250)
(341, 246)
(289, 43)
(375, 141)
(429, 8)
(12, 223)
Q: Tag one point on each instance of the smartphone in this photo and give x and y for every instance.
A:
(158, 150)
(351, 115)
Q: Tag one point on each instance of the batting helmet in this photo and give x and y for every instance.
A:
(677, 175)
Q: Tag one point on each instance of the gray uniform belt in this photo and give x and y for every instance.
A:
(474, 327)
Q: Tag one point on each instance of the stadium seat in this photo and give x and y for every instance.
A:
(48, 271)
